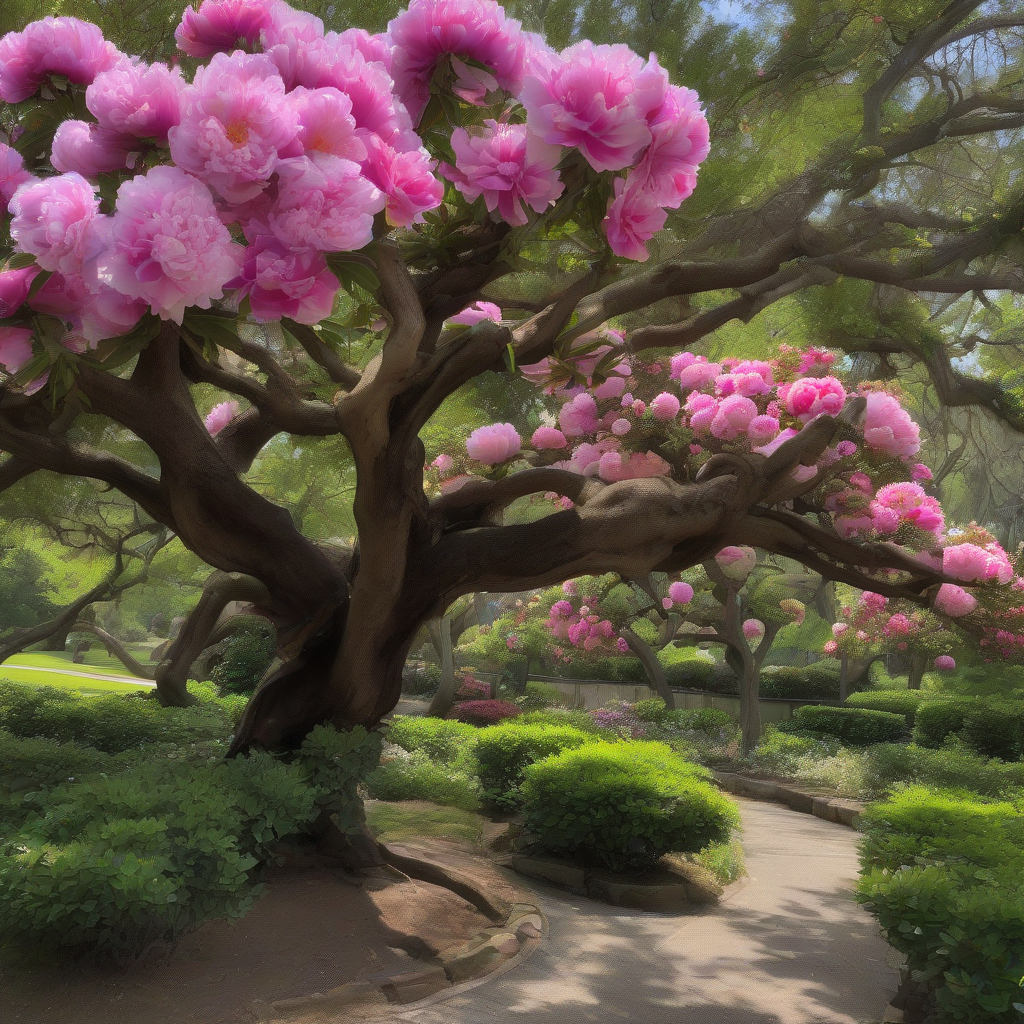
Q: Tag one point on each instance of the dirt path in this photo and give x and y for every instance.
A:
(788, 946)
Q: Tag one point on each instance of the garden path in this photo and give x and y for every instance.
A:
(787, 945)
(84, 675)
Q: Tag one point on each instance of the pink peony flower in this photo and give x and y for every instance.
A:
(578, 416)
(236, 125)
(443, 463)
(733, 416)
(106, 313)
(944, 663)
(326, 124)
(679, 142)
(613, 387)
(862, 482)
(970, 562)
(920, 472)
(407, 180)
(167, 244)
(58, 221)
(511, 640)
(748, 384)
(665, 406)
(53, 46)
(463, 30)
(548, 437)
(620, 427)
(761, 429)
(494, 443)
(88, 149)
(476, 313)
(633, 219)
(694, 373)
(137, 99)
(889, 428)
(830, 648)
(283, 282)
(326, 203)
(680, 593)
(509, 166)
(753, 629)
(372, 47)
(12, 172)
(219, 25)
(220, 416)
(14, 289)
(954, 600)
(15, 348)
(906, 502)
(812, 396)
(736, 562)
(838, 628)
(569, 587)
(595, 99)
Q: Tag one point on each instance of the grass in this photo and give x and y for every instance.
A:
(418, 819)
(95, 661)
(86, 686)
(58, 665)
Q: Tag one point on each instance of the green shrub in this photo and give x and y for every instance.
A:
(617, 670)
(897, 702)
(690, 671)
(624, 805)
(111, 723)
(443, 739)
(951, 767)
(538, 696)
(42, 763)
(419, 682)
(943, 875)
(651, 710)
(503, 752)
(710, 720)
(113, 863)
(819, 681)
(576, 719)
(726, 861)
(249, 652)
(995, 728)
(937, 719)
(857, 726)
(781, 753)
(416, 777)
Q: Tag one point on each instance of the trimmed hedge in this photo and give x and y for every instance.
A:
(889, 765)
(624, 805)
(943, 876)
(504, 751)
(938, 719)
(442, 739)
(856, 726)
(896, 702)
(417, 777)
(812, 682)
(995, 728)
(698, 719)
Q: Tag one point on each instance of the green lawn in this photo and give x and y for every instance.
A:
(417, 819)
(60, 664)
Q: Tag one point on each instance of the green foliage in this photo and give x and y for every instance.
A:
(504, 751)
(897, 702)
(725, 860)
(857, 726)
(782, 753)
(624, 805)
(442, 739)
(417, 777)
(42, 763)
(995, 728)
(943, 876)
(819, 681)
(113, 862)
(24, 600)
(651, 710)
(689, 670)
(109, 723)
(710, 720)
(420, 682)
(888, 765)
(576, 719)
(938, 719)
(395, 823)
(249, 652)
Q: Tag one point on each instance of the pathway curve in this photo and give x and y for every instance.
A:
(788, 946)
(83, 675)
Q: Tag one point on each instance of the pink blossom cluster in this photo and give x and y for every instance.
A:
(736, 562)
(906, 502)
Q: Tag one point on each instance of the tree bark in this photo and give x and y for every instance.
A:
(652, 666)
(116, 649)
(918, 664)
(441, 638)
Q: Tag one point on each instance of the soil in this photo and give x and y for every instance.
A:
(314, 928)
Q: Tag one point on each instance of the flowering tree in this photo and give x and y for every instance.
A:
(876, 625)
(234, 230)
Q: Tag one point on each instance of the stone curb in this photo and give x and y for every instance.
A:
(834, 809)
(518, 931)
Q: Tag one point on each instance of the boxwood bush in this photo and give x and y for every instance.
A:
(995, 728)
(577, 719)
(943, 876)
(710, 720)
(896, 702)
(503, 751)
(819, 681)
(889, 765)
(112, 864)
(856, 726)
(624, 805)
(442, 739)
(937, 719)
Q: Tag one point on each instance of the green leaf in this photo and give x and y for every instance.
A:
(352, 272)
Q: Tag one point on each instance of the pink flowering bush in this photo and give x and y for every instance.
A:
(132, 98)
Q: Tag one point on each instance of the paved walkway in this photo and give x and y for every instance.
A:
(788, 947)
(83, 675)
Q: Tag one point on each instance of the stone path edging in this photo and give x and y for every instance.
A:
(835, 809)
(519, 927)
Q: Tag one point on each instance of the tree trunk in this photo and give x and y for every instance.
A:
(441, 638)
(652, 666)
(741, 660)
(116, 649)
(56, 641)
(918, 664)
(520, 673)
(844, 677)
